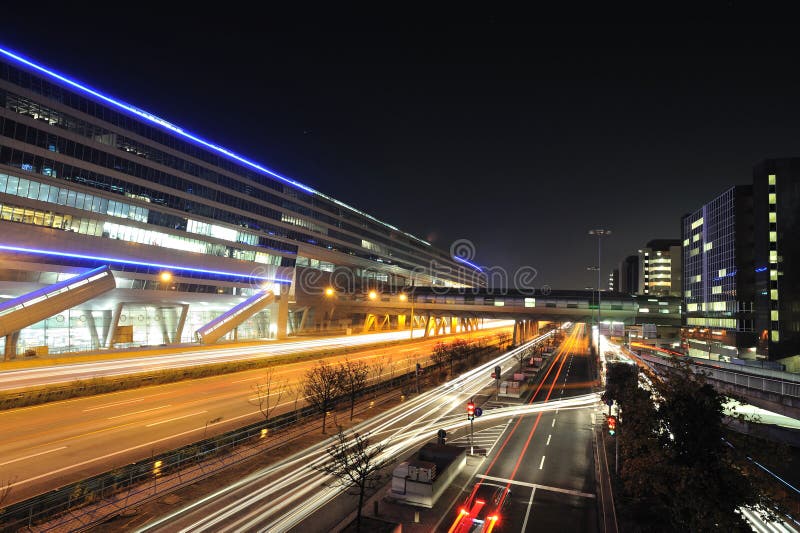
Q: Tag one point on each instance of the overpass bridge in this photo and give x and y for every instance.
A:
(440, 310)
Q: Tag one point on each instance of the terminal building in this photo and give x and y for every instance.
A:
(192, 233)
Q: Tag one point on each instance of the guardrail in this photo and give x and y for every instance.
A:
(741, 379)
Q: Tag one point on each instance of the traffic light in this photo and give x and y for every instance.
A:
(497, 372)
(612, 424)
(470, 410)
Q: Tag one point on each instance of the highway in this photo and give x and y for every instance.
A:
(284, 496)
(546, 460)
(40, 376)
(62, 442)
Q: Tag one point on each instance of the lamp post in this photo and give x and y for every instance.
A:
(600, 233)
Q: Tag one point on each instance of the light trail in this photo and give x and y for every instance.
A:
(260, 501)
(49, 375)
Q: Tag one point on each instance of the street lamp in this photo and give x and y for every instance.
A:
(600, 233)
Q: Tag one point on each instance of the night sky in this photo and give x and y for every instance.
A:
(518, 136)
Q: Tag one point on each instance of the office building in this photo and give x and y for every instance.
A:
(718, 276)
(189, 229)
(629, 275)
(776, 210)
(660, 268)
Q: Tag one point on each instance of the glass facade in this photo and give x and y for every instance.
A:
(717, 287)
(75, 160)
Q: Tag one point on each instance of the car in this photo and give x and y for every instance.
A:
(482, 510)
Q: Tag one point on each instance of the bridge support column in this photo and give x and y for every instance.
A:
(428, 325)
(181, 323)
(515, 336)
(401, 322)
(453, 324)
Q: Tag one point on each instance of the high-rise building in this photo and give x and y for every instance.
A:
(776, 210)
(613, 280)
(629, 275)
(189, 228)
(718, 275)
(660, 268)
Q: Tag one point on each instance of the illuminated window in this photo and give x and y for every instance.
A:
(530, 302)
(716, 289)
(773, 294)
(697, 223)
(772, 198)
(644, 310)
(695, 237)
(773, 217)
(707, 246)
(773, 275)
(771, 179)
(774, 315)
(686, 241)
(691, 307)
(773, 236)
(722, 272)
(773, 256)
(776, 337)
(688, 294)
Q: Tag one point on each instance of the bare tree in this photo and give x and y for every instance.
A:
(5, 492)
(322, 386)
(265, 390)
(353, 375)
(377, 371)
(355, 464)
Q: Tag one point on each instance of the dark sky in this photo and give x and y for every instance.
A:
(519, 136)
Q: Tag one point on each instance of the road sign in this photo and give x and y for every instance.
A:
(478, 411)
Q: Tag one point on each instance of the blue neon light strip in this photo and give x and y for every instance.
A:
(38, 251)
(183, 133)
(460, 260)
(761, 269)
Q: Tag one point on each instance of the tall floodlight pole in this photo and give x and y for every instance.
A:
(600, 233)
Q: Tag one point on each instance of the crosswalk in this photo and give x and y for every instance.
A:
(485, 438)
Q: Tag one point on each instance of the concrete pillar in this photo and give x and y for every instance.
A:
(11, 345)
(112, 328)
(303, 319)
(161, 314)
(92, 326)
(453, 324)
(279, 312)
(401, 322)
(181, 323)
(516, 333)
(106, 324)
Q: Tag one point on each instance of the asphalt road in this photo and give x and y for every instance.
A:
(546, 459)
(50, 445)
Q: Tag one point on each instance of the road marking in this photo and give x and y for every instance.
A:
(553, 424)
(542, 463)
(113, 404)
(548, 440)
(246, 379)
(138, 412)
(537, 486)
(31, 456)
(176, 418)
(528, 511)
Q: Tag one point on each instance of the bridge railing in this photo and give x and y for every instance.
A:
(742, 379)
